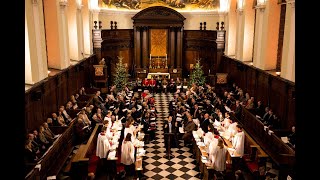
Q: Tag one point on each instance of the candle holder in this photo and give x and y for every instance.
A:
(217, 26)
(201, 26)
(222, 25)
(100, 26)
(111, 24)
(166, 63)
(150, 67)
(158, 63)
(95, 24)
(204, 25)
(115, 25)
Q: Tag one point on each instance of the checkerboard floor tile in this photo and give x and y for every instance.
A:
(182, 166)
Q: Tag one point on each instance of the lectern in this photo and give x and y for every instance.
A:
(100, 77)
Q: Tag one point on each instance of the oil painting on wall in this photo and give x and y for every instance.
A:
(185, 5)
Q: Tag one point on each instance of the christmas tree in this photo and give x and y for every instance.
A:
(121, 76)
(196, 75)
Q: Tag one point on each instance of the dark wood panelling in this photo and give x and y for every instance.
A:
(278, 98)
(281, 153)
(46, 96)
(200, 44)
(273, 91)
(117, 43)
(117, 35)
(291, 112)
(262, 88)
(251, 81)
(50, 99)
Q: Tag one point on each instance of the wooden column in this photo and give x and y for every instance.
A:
(172, 47)
(179, 47)
(145, 56)
(137, 47)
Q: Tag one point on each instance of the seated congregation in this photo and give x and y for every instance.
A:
(111, 130)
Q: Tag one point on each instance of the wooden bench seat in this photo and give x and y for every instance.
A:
(53, 160)
(84, 162)
(254, 157)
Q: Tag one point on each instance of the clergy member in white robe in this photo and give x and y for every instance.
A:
(219, 157)
(127, 154)
(103, 144)
(238, 141)
(208, 136)
(213, 144)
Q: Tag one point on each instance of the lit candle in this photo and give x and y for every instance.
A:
(209, 71)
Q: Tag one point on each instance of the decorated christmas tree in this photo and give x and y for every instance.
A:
(196, 75)
(121, 76)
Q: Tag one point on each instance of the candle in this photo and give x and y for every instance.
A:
(209, 71)
(150, 56)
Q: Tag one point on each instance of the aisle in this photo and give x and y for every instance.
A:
(178, 168)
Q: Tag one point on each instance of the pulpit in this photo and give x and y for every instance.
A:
(101, 77)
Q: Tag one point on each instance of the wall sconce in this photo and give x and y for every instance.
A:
(240, 6)
(260, 4)
(278, 73)
(63, 2)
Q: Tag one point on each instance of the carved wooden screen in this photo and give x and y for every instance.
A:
(158, 43)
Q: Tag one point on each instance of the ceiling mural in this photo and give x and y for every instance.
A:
(178, 5)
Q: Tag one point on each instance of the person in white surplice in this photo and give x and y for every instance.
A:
(103, 144)
(219, 157)
(238, 141)
(127, 154)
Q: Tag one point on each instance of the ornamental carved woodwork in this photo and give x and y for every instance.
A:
(158, 16)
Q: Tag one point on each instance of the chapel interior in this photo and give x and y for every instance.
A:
(75, 51)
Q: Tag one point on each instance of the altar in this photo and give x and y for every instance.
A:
(156, 75)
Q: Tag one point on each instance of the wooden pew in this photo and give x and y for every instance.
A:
(86, 103)
(280, 152)
(79, 164)
(54, 158)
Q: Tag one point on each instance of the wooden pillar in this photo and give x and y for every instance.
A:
(172, 47)
(179, 47)
(145, 56)
(137, 47)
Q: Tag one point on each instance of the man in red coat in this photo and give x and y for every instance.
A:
(145, 84)
(152, 83)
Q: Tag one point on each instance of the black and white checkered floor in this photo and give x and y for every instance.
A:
(182, 166)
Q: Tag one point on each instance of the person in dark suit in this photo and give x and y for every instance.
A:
(259, 110)
(170, 126)
(195, 111)
(270, 118)
(188, 128)
(292, 136)
(238, 110)
(204, 125)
